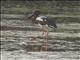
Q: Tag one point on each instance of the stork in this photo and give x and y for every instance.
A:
(43, 21)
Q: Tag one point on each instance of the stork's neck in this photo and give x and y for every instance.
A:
(35, 16)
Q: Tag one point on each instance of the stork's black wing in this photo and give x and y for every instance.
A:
(51, 22)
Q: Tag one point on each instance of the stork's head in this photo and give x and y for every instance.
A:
(35, 14)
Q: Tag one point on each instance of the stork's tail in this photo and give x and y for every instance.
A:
(53, 26)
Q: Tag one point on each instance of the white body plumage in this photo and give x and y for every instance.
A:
(40, 18)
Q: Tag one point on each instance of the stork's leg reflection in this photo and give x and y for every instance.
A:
(44, 46)
(45, 33)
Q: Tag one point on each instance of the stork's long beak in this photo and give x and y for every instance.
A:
(30, 16)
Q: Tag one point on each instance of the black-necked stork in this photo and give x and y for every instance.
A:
(43, 21)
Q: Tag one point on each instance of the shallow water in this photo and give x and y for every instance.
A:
(17, 44)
